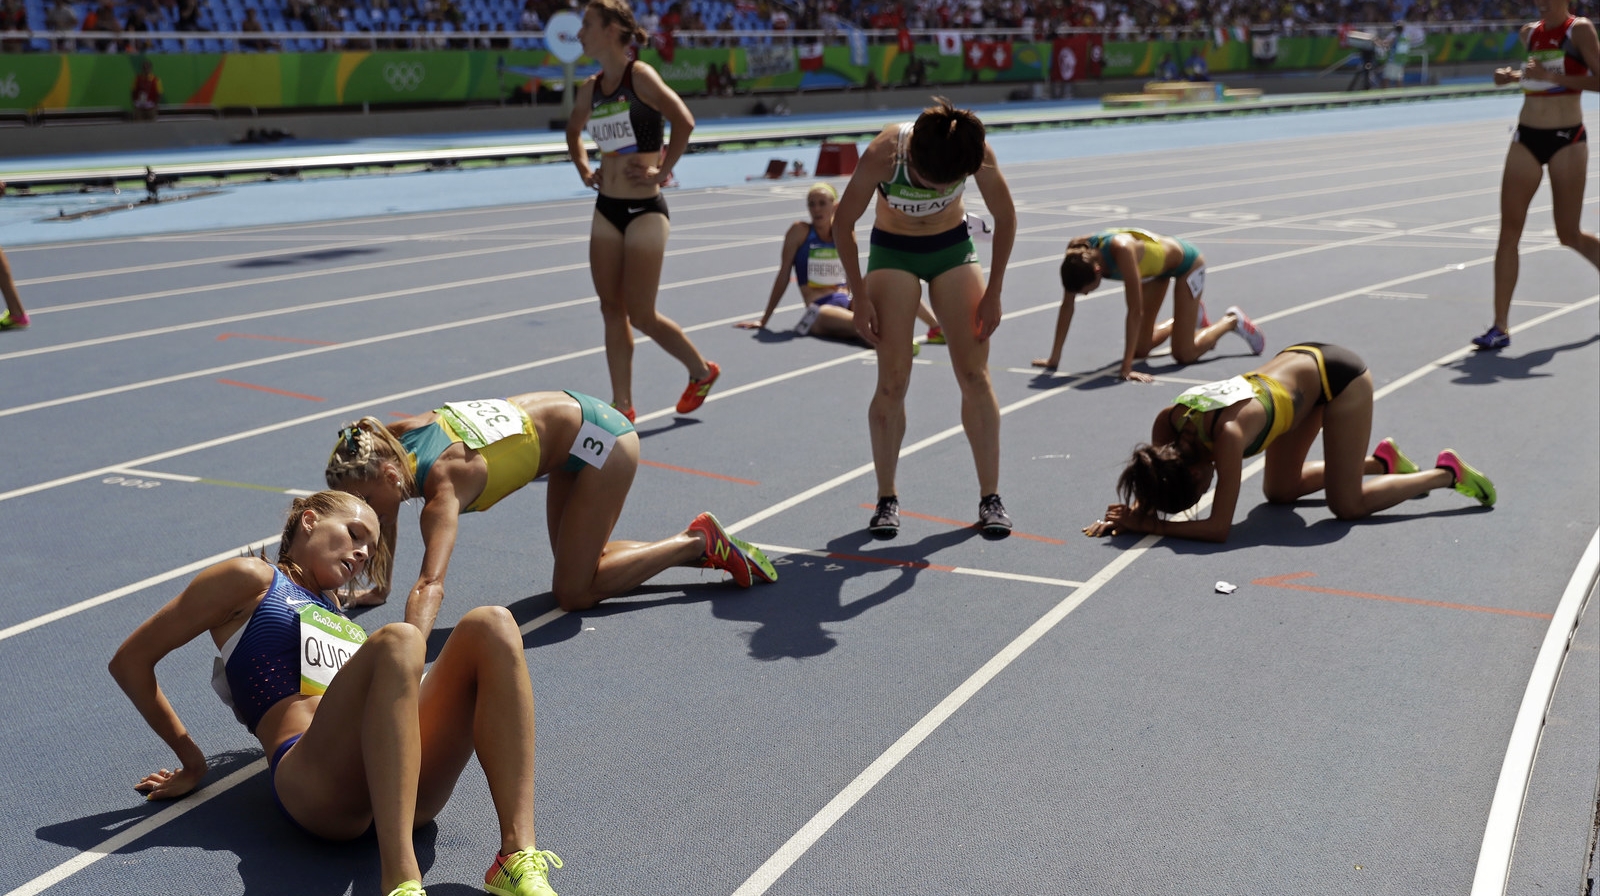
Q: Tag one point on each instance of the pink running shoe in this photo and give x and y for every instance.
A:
(1245, 327)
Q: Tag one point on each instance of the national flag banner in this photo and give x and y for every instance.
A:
(949, 43)
(976, 54)
(1000, 55)
(1219, 35)
(666, 44)
(1077, 57)
(858, 47)
(810, 57)
(903, 38)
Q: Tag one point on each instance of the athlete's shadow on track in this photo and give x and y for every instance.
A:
(810, 593)
(1102, 379)
(1484, 368)
(1282, 525)
(274, 858)
(790, 614)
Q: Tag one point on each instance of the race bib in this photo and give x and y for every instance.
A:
(979, 228)
(823, 267)
(1218, 395)
(920, 203)
(1197, 281)
(592, 445)
(484, 422)
(611, 126)
(1554, 60)
(327, 641)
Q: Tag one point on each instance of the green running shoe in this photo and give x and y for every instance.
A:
(1393, 459)
(525, 872)
(1469, 481)
(409, 888)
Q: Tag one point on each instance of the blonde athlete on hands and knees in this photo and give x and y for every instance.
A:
(920, 233)
(1146, 263)
(466, 456)
(809, 251)
(1280, 408)
(358, 739)
(623, 107)
(1563, 61)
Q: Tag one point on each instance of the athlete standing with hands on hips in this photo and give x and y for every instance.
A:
(1563, 61)
(920, 233)
(623, 108)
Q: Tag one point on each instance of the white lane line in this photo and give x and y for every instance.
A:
(1505, 810)
(201, 480)
(160, 819)
(335, 412)
(894, 563)
(353, 300)
(797, 845)
(140, 585)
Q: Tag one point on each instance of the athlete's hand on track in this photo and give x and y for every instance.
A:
(168, 785)
(986, 319)
(1134, 376)
(749, 325)
(866, 318)
(1046, 363)
(1118, 518)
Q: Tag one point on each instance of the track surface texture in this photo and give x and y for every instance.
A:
(938, 714)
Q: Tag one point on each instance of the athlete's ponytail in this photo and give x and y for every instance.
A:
(620, 13)
(1158, 479)
(947, 144)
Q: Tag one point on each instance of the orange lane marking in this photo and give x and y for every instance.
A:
(652, 463)
(1284, 581)
(226, 336)
(270, 389)
(940, 519)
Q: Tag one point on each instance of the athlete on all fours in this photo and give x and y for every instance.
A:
(1563, 61)
(468, 455)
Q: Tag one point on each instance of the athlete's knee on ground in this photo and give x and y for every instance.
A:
(1347, 507)
(574, 596)
(1280, 494)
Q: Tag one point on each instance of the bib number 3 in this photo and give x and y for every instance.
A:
(593, 445)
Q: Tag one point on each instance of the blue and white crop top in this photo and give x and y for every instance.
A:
(262, 663)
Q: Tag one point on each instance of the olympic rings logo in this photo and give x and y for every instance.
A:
(404, 76)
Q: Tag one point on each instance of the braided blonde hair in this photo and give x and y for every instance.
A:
(326, 503)
(361, 452)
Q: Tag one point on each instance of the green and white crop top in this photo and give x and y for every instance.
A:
(908, 199)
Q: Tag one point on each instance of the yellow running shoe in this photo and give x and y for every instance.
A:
(523, 873)
(409, 888)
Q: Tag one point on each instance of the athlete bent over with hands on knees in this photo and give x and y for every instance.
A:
(467, 455)
(1563, 61)
(1146, 262)
(623, 107)
(809, 250)
(357, 737)
(1279, 408)
(920, 233)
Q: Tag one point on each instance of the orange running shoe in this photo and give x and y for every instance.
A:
(694, 395)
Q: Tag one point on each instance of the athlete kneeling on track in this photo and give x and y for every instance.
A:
(809, 250)
(467, 455)
(1279, 408)
(1146, 263)
(363, 740)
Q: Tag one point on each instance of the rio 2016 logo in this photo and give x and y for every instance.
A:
(9, 88)
(404, 76)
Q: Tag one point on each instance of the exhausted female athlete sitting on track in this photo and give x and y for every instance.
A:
(1279, 408)
(809, 251)
(468, 455)
(358, 738)
(1146, 263)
